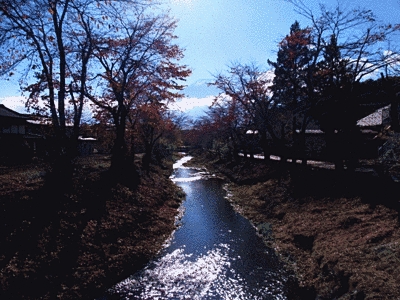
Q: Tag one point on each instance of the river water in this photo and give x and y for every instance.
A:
(214, 254)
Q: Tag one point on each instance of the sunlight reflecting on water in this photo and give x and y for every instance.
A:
(181, 162)
(215, 253)
(193, 177)
(180, 276)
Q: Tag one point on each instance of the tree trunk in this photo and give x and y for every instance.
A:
(147, 156)
(265, 147)
(235, 152)
(334, 149)
(302, 147)
(295, 141)
(282, 146)
(353, 140)
(303, 142)
(394, 114)
(119, 149)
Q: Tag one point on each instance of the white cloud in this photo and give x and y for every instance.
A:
(189, 103)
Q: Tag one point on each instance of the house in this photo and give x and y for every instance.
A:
(44, 126)
(363, 143)
(11, 122)
(87, 146)
(23, 136)
(376, 120)
(12, 132)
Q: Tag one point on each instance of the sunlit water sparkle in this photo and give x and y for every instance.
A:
(215, 253)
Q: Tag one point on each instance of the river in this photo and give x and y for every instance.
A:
(214, 254)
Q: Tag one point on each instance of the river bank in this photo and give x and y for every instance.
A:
(338, 233)
(87, 239)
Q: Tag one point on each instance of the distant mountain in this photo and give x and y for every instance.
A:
(192, 106)
(200, 89)
(197, 112)
(198, 98)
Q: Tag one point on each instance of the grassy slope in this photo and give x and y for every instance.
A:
(84, 241)
(339, 234)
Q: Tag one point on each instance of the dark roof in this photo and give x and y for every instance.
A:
(6, 112)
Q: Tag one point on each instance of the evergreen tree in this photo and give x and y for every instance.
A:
(336, 109)
(291, 69)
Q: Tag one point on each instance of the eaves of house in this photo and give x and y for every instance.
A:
(11, 122)
(10, 114)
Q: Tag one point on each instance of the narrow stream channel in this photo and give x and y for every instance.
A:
(214, 254)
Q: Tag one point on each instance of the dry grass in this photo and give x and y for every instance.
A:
(334, 233)
(88, 238)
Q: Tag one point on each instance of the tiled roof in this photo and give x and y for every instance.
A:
(87, 139)
(6, 112)
(374, 119)
(47, 122)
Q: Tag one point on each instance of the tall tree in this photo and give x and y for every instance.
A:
(33, 31)
(336, 109)
(247, 88)
(294, 57)
(139, 65)
(151, 124)
(49, 42)
(347, 47)
(391, 90)
(219, 131)
(36, 38)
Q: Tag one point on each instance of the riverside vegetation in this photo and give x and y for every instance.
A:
(338, 233)
(77, 243)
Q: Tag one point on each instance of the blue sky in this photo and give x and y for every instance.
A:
(215, 33)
